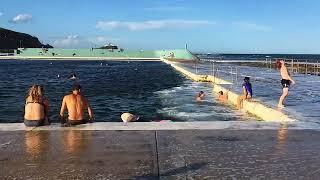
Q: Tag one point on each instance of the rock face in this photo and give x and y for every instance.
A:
(10, 40)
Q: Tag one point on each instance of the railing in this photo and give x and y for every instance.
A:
(302, 66)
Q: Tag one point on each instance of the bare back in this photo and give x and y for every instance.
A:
(76, 105)
(35, 110)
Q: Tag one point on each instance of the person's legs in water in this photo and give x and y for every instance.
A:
(285, 92)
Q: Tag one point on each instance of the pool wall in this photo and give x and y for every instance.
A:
(56, 53)
(254, 107)
(196, 77)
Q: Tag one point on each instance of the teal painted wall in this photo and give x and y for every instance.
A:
(38, 52)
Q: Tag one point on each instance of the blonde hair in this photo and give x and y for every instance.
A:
(36, 93)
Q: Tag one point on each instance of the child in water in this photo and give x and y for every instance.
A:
(223, 96)
(246, 92)
(200, 96)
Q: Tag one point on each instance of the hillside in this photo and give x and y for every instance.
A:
(10, 40)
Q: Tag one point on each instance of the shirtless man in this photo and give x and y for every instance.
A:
(76, 105)
(285, 81)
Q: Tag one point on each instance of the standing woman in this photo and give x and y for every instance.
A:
(285, 81)
(36, 108)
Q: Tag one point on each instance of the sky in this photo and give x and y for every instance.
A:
(215, 26)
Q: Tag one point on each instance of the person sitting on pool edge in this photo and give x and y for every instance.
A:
(200, 96)
(222, 96)
(246, 92)
(36, 108)
(76, 104)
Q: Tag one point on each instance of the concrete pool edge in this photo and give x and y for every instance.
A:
(154, 126)
(256, 108)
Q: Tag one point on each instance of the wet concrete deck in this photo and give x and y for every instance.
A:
(165, 154)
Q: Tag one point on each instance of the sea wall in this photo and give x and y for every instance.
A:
(197, 77)
(56, 53)
(254, 107)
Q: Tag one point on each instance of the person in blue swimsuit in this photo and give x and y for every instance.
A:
(246, 92)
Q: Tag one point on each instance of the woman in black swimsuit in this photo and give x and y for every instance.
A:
(36, 108)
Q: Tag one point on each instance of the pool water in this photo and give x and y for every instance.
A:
(152, 90)
(302, 104)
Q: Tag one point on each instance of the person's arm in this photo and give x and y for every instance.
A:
(90, 111)
(289, 76)
(63, 107)
(46, 108)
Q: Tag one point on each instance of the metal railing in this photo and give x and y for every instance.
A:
(302, 66)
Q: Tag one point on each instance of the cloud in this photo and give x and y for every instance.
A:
(76, 41)
(67, 42)
(252, 26)
(152, 24)
(1, 14)
(165, 8)
(21, 18)
(102, 40)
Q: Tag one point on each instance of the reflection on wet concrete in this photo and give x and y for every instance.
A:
(180, 154)
(37, 143)
(239, 154)
(281, 138)
(76, 142)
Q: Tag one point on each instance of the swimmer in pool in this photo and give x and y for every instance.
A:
(128, 117)
(73, 76)
(200, 96)
(246, 92)
(222, 96)
(286, 81)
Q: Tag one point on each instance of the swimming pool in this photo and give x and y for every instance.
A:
(152, 90)
(303, 102)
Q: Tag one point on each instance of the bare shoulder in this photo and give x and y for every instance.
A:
(28, 99)
(67, 97)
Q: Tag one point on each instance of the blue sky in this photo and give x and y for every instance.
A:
(222, 26)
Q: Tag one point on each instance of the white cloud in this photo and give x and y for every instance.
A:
(21, 18)
(102, 40)
(1, 14)
(165, 8)
(75, 41)
(152, 24)
(252, 26)
(67, 42)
